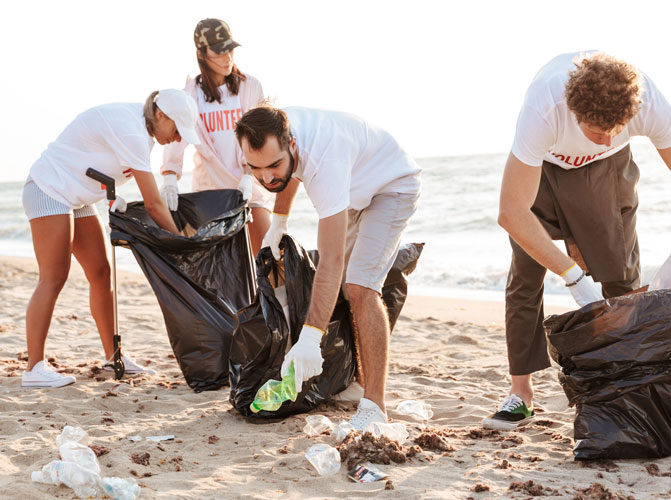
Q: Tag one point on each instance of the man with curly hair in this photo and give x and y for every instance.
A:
(570, 176)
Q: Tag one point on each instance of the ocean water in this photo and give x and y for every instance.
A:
(466, 253)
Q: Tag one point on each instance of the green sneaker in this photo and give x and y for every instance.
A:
(513, 412)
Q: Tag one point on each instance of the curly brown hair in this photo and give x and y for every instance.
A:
(604, 91)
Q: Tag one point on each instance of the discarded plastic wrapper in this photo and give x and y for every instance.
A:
(324, 458)
(395, 431)
(167, 437)
(343, 429)
(416, 409)
(316, 424)
(121, 489)
(83, 481)
(70, 433)
(366, 473)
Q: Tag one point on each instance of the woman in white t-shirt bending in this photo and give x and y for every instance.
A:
(58, 197)
(223, 94)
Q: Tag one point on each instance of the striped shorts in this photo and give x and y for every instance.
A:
(37, 203)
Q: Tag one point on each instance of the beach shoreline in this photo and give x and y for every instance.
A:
(448, 352)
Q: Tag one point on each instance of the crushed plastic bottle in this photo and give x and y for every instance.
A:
(79, 469)
(70, 433)
(343, 429)
(316, 424)
(83, 456)
(83, 481)
(121, 489)
(417, 409)
(324, 458)
(395, 431)
(273, 393)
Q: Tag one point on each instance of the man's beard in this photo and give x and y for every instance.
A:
(284, 180)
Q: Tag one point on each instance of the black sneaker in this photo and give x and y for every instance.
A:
(513, 412)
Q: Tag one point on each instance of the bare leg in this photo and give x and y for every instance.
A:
(52, 241)
(258, 228)
(522, 387)
(90, 251)
(372, 324)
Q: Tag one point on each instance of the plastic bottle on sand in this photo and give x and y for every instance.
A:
(273, 393)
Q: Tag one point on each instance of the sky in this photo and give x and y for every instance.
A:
(445, 78)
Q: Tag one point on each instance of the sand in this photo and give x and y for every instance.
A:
(450, 353)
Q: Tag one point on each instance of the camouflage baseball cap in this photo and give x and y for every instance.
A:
(215, 34)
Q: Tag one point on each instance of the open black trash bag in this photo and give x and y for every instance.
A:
(616, 369)
(262, 338)
(200, 282)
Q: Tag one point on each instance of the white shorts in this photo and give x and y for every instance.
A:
(37, 203)
(374, 237)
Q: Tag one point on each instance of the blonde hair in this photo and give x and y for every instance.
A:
(149, 112)
(604, 91)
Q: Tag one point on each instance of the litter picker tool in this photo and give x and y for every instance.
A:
(108, 183)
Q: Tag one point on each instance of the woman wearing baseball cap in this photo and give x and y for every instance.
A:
(223, 94)
(58, 197)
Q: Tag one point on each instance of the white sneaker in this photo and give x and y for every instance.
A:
(353, 392)
(42, 375)
(367, 413)
(130, 366)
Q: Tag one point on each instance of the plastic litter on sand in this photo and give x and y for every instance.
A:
(417, 409)
(316, 424)
(324, 458)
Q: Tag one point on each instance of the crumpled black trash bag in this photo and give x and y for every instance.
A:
(616, 369)
(262, 338)
(200, 282)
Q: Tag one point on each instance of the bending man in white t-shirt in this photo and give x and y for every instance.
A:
(570, 176)
(365, 189)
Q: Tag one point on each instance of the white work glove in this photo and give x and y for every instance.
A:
(279, 226)
(245, 186)
(169, 191)
(119, 205)
(306, 355)
(582, 287)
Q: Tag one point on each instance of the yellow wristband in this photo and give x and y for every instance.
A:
(564, 273)
(282, 215)
(314, 328)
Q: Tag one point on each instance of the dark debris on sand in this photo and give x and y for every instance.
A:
(533, 489)
(598, 491)
(140, 458)
(479, 488)
(369, 448)
(434, 440)
(99, 450)
(653, 470)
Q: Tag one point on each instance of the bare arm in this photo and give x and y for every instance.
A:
(518, 193)
(285, 199)
(153, 202)
(666, 156)
(331, 246)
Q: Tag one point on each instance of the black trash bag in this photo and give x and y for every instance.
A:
(200, 282)
(263, 337)
(616, 369)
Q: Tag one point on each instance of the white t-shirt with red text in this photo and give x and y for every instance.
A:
(111, 138)
(343, 161)
(548, 130)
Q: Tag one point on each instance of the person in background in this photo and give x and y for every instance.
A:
(58, 198)
(223, 94)
(365, 188)
(571, 176)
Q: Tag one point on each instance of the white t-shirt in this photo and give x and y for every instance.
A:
(219, 121)
(547, 130)
(111, 138)
(344, 161)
